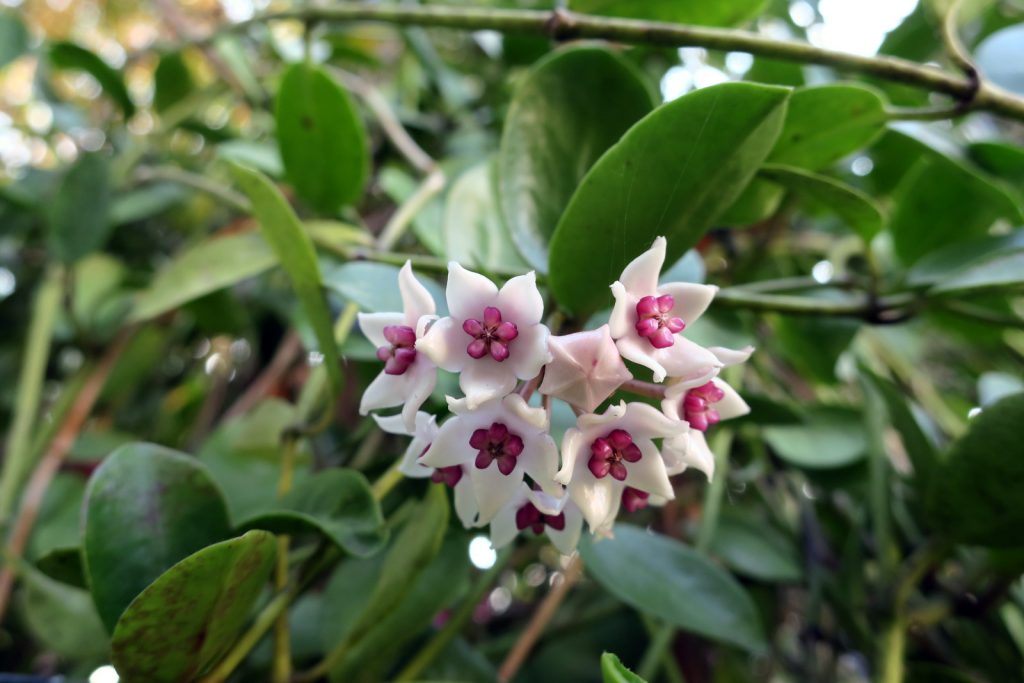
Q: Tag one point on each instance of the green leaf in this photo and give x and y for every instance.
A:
(474, 233)
(145, 202)
(1001, 272)
(294, 249)
(852, 206)
(758, 202)
(920, 449)
(668, 580)
(647, 185)
(557, 126)
(63, 619)
(14, 38)
(974, 497)
(1000, 159)
(752, 547)
(321, 138)
(428, 224)
(718, 13)
(374, 286)
(64, 565)
(337, 504)
(999, 57)
(203, 268)
(79, 212)
(825, 123)
(941, 202)
(57, 526)
(67, 55)
(192, 614)
(146, 507)
(614, 671)
(830, 436)
(172, 81)
(960, 256)
(244, 458)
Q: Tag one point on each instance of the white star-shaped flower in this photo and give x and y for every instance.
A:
(454, 477)
(409, 376)
(536, 511)
(585, 369)
(492, 338)
(699, 404)
(606, 453)
(647, 319)
(498, 443)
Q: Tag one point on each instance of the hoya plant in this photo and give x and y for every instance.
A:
(609, 340)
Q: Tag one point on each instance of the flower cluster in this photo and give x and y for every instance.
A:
(496, 450)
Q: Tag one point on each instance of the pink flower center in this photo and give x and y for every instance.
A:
(634, 499)
(450, 476)
(697, 408)
(490, 336)
(654, 320)
(400, 354)
(496, 444)
(610, 453)
(529, 516)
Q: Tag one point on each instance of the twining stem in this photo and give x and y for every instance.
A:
(32, 498)
(455, 623)
(562, 25)
(30, 388)
(539, 621)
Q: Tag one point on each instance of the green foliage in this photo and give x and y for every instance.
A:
(80, 210)
(69, 56)
(684, 11)
(614, 671)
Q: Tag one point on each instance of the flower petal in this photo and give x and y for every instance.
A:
(731, 405)
(416, 299)
(485, 379)
(731, 356)
(699, 455)
(373, 324)
(445, 345)
(451, 445)
(647, 422)
(466, 508)
(688, 361)
(530, 351)
(520, 300)
(691, 300)
(392, 424)
(493, 489)
(421, 378)
(648, 473)
(641, 276)
(572, 442)
(385, 391)
(540, 461)
(623, 315)
(568, 538)
(468, 293)
(597, 499)
(503, 527)
(535, 417)
(640, 351)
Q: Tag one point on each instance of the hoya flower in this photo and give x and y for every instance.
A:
(604, 454)
(497, 443)
(540, 513)
(585, 368)
(453, 477)
(701, 405)
(492, 338)
(647, 319)
(409, 376)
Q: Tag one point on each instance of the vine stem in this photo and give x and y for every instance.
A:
(563, 25)
(539, 621)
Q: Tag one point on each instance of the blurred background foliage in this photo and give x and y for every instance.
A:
(865, 521)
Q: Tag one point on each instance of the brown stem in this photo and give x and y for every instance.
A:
(287, 353)
(647, 389)
(539, 621)
(52, 459)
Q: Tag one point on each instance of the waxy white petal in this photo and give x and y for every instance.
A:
(622, 319)
(648, 473)
(445, 345)
(465, 502)
(731, 356)
(416, 299)
(468, 293)
(485, 379)
(529, 352)
(520, 301)
(493, 489)
(597, 499)
(372, 326)
(641, 275)
(451, 445)
(691, 300)
(568, 538)
(585, 369)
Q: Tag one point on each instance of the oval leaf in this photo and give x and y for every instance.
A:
(322, 140)
(825, 123)
(294, 249)
(829, 437)
(374, 286)
(146, 508)
(1000, 57)
(975, 494)
(63, 618)
(337, 504)
(718, 13)
(80, 211)
(672, 174)
(67, 55)
(191, 615)
(664, 578)
(557, 126)
(474, 233)
(752, 547)
(202, 269)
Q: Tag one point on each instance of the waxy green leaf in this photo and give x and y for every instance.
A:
(558, 125)
(189, 618)
(337, 504)
(753, 547)
(67, 55)
(830, 436)
(614, 671)
(668, 580)
(474, 233)
(79, 213)
(852, 206)
(146, 507)
(825, 123)
(63, 618)
(671, 174)
(718, 13)
(206, 267)
(294, 249)
(321, 137)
